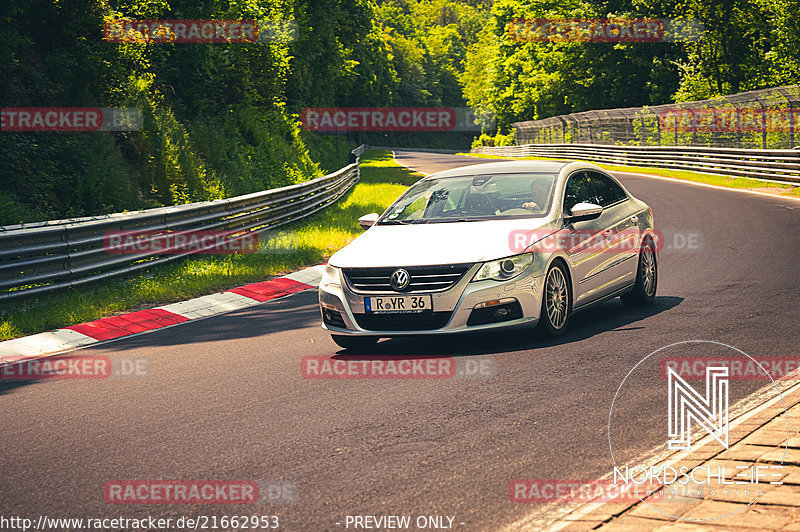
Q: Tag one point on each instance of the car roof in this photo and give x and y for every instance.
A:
(504, 167)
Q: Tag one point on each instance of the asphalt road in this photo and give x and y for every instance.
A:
(226, 400)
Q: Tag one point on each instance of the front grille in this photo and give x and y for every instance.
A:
(423, 278)
(423, 321)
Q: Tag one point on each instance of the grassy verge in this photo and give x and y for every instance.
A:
(781, 189)
(304, 243)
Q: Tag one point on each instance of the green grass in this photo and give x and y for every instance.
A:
(303, 243)
(711, 179)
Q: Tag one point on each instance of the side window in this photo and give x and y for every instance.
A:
(578, 190)
(606, 190)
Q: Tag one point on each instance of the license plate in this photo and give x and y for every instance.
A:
(398, 304)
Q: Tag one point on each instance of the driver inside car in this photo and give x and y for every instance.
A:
(540, 189)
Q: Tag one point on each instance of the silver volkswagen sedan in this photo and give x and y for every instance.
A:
(488, 246)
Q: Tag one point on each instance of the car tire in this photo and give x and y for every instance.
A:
(355, 343)
(644, 290)
(556, 302)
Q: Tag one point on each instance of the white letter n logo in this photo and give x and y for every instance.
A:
(685, 405)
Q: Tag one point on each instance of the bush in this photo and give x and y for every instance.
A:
(497, 140)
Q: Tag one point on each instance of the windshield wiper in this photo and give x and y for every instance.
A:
(403, 222)
(451, 220)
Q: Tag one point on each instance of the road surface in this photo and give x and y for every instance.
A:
(226, 400)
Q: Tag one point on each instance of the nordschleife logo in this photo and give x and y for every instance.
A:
(707, 450)
(709, 411)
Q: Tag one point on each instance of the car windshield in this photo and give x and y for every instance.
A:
(473, 198)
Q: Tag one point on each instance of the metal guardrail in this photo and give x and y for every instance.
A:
(424, 150)
(772, 165)
(43, 257)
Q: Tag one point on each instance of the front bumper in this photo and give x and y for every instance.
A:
(452, 308)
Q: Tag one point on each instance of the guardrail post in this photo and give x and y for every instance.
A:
(738, 128)
(792, 116)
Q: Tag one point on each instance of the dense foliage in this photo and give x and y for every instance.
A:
(222, 119)
(747, 44)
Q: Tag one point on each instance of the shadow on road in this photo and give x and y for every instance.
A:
(9, 385)
(301, 311)
(609, 317)
(298, 311)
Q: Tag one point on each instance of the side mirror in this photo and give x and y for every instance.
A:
(584, 211)
(368, 220)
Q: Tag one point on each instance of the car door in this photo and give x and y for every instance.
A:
(583, 241)
(617, 266)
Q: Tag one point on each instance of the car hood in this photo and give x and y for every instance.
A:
(437, 243)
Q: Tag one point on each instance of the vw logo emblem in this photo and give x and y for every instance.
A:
(399, 279)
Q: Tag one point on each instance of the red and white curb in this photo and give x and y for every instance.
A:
(92, 332)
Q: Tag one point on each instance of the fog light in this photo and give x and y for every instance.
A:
(333, 317)
(495, 311)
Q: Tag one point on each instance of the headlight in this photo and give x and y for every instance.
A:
(504, 269)
(330, 276)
